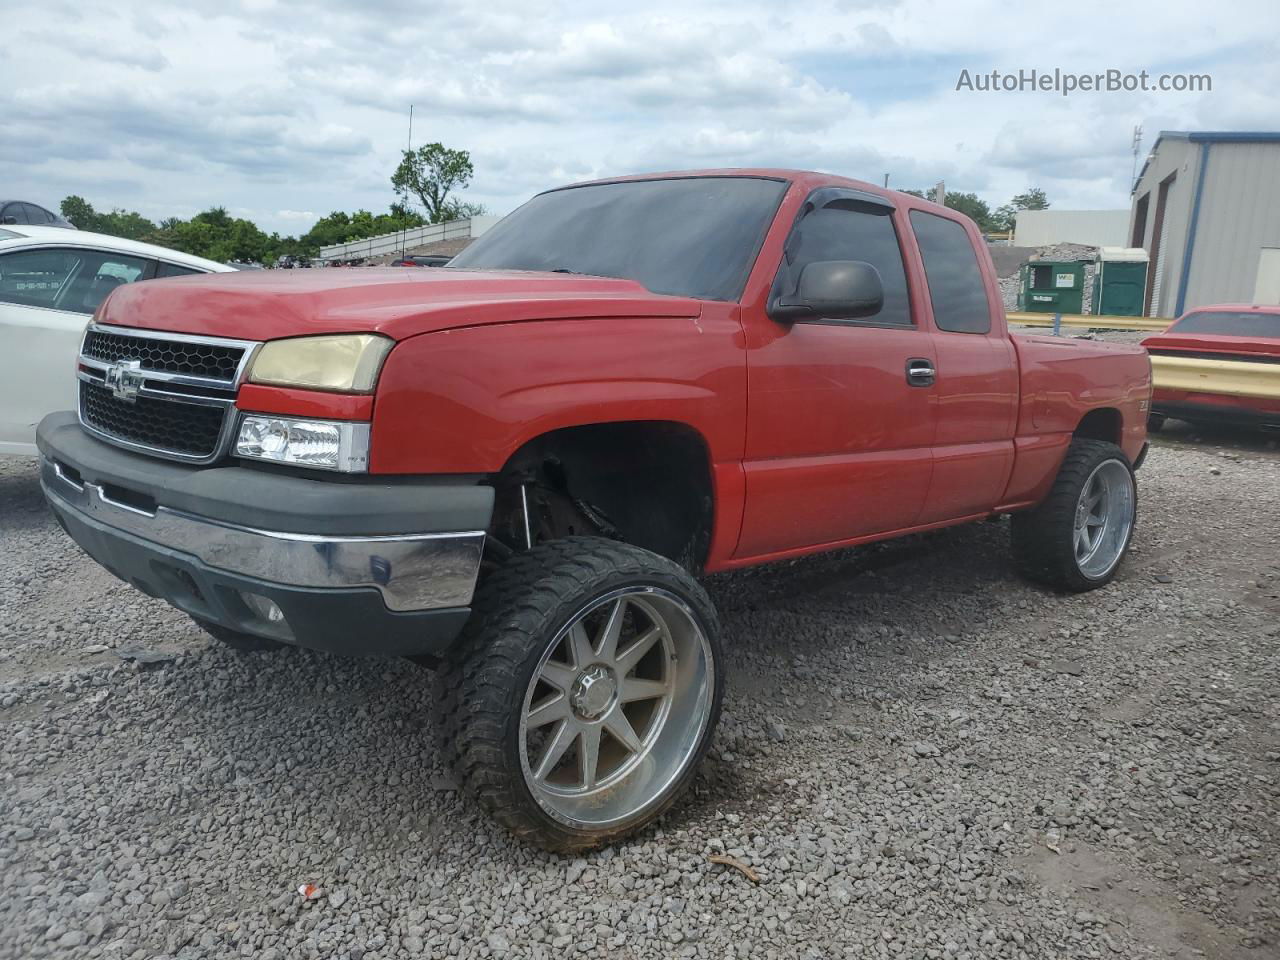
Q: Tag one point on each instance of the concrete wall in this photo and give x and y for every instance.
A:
(407, 239)
(1239, 215)
(1096, 228)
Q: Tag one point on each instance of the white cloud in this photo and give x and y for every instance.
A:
(284, 107)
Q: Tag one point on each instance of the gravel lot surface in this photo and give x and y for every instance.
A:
(922, 756)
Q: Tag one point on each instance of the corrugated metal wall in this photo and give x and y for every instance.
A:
(1179, 158)
(1239, 215)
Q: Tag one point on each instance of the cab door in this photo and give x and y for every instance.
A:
(977, 372)
(839, 428)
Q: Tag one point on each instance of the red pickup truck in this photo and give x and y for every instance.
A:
(517, 465)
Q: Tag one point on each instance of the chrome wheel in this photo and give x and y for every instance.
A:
(1103, 518)
(616, 708)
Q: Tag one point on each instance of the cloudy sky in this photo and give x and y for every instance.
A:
(283, 111)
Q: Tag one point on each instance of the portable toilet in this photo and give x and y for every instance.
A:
(1120, 281)
(1053, 286)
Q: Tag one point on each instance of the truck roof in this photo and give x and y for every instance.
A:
(803, 177)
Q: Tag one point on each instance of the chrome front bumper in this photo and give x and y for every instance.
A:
(412, 571)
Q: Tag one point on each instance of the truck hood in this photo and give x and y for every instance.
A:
(399, 302)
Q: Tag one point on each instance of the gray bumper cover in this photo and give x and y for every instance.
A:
(145, 519)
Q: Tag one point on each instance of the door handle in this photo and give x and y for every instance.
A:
(920, 372)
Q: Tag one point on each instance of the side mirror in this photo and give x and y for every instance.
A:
(838, 289)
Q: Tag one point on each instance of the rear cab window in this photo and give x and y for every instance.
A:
(956, 281)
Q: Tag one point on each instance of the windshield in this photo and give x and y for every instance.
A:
(1231, 323)
(691, 237)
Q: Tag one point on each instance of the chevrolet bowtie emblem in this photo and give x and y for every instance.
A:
(124, 380)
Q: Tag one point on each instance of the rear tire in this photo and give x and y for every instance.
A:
(583, 693)
(1076, 539)
(242, 642)
(1155, 422)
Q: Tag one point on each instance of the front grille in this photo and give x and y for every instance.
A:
(172, 394)
(188, 429)
(165, 356)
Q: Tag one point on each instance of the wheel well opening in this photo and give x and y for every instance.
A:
(646, 483)
(1103, 424)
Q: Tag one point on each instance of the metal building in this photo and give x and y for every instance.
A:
(1206, 207)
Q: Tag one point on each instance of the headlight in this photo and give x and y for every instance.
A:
(320, 444)
(348, 363)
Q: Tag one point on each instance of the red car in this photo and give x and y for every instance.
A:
(1218, 364)
(520, 465)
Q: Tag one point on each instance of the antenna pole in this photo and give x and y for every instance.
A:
(1137, 146)
(404, 229)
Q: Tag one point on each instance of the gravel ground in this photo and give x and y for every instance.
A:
(921, 756)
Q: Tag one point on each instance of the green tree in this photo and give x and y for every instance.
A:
(430, 174)
(967, 203)
(1006, 215)
(341, 227)
(127, 224)
(215, 217)
(80, 212)
(972, 207)
(458, 210)
(117, 223)
(1033, 199)
(216, 235)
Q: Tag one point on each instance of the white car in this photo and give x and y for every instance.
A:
(51, 281)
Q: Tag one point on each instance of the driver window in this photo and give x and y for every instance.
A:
(846, 230)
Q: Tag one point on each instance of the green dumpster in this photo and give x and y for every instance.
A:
(1053, 286)
(1120, 281)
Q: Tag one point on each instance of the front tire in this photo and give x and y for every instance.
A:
(583, 693)
(1076, 539)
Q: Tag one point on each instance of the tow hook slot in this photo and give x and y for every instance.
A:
(128, 499)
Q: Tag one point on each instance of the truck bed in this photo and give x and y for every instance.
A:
(1063, 379)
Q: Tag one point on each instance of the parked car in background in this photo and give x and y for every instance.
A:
(51, 282)
(245, 265)
(516, 468)
(420, 260)
(1218, 364)
(20, 213)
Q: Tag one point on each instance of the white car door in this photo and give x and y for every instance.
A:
(47, 295)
